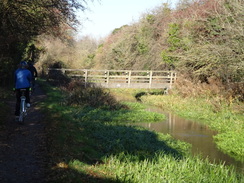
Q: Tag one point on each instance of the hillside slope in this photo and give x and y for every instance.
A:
(203, 41)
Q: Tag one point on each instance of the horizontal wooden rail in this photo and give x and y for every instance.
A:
(119, 78)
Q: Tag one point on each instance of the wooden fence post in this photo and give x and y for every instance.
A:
(86, 77)
(129, 78)
(171, 79)
(150, 79)
(107, 79)
(174, 77)
(63, 71)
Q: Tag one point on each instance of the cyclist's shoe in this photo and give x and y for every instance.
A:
(28, 105)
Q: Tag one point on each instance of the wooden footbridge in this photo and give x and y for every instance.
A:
(119, 78)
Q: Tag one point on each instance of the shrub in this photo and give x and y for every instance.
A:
(93, 96)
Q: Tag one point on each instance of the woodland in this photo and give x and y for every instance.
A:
(202, 40)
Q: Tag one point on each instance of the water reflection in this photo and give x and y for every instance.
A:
(200, 136)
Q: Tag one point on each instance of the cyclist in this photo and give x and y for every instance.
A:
(22, 80)
(33, 71)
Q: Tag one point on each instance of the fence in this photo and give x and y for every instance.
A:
(119, 78)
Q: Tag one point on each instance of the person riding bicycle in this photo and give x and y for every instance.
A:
(33, 71)
(22, 80)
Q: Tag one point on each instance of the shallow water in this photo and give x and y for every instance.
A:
(200, 136)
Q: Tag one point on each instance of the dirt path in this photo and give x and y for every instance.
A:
(22, 147)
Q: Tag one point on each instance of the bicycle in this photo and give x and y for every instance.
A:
(23, 107)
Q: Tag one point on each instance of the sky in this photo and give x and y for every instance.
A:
(106, 15)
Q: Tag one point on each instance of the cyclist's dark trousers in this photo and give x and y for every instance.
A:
(33, 82)
(18, 95)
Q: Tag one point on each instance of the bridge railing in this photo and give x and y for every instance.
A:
(120, 78)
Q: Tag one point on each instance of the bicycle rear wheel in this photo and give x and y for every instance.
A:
(21, 118)
(22, 111)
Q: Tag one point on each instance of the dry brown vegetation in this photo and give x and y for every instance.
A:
(68, 53)
(203, 40)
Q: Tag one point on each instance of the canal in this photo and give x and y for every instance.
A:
(199, 135)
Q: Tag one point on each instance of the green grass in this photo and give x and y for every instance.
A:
(134, 113)
(162, 168)
(90, 144)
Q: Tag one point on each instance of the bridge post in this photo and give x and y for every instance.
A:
(129, 79)
(107, 77)
(86, 76)
(63, 71)
(150, 79)
(175, 77)
(171, 79)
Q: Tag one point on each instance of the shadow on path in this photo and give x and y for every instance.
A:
(22, 147)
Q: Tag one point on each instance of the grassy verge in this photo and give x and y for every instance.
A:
(226, 118)
(94, 144)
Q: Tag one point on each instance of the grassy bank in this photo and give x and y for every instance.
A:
(95, 144)
(225, 117)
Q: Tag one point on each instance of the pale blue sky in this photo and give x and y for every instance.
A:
(106, 15)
